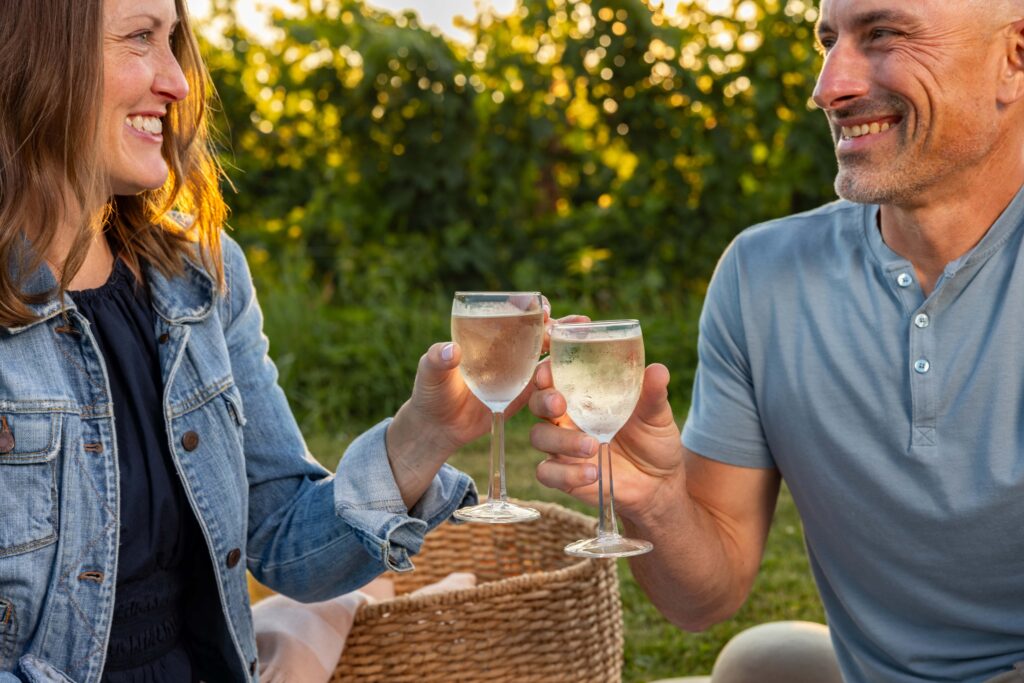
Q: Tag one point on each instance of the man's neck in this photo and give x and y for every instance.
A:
(931, 234)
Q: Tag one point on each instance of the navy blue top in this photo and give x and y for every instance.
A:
(160, 539)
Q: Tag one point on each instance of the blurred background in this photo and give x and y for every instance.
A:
(384, 154)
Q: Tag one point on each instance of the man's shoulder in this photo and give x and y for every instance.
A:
(832, 228)
(826, 219)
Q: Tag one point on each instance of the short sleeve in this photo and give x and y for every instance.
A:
(724, 423)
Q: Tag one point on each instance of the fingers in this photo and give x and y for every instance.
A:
(542, 376)
(547, 404)
(566, 476)
(550, 438)
(653, 406)
(437, 364)
(549, 323)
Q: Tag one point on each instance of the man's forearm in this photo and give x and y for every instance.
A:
(703, 564)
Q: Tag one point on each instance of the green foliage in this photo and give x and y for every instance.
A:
(602, 152)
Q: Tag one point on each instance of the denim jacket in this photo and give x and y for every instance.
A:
(262, 501)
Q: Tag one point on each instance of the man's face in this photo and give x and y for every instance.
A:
(909, 89)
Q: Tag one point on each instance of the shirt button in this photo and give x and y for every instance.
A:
(904, 280)
(233, 557)
(922, 320)
(922, 366)
(190, 441)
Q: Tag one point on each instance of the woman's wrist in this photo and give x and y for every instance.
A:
(417, 448)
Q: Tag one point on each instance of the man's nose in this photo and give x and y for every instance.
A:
(844, 76)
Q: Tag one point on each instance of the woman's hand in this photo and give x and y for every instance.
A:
(442, 415)
(646, 452)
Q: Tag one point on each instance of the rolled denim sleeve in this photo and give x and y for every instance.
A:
(367, 498)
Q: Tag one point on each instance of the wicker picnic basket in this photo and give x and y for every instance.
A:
(536, 614)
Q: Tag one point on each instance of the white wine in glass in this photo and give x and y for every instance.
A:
(599, 368)
(500, 334)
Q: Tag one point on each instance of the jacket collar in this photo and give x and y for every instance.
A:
(183, 299)
(186, 298)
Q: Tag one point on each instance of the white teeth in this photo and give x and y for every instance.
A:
(146, 124)
(850, 132)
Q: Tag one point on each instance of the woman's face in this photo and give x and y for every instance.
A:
(141, 78)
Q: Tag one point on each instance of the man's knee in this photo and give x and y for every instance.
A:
(779, 652)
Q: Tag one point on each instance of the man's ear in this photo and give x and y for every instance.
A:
(1011, 79)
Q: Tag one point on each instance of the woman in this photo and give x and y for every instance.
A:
(147, 455)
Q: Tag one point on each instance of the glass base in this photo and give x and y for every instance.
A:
(496, 512)
(609, 545)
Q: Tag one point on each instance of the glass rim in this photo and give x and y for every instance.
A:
(496, 293)
(597, 323)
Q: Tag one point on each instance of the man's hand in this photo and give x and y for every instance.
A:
(646, 453)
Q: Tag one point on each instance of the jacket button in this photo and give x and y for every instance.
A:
(190, 441)
(252, 668)
(233, 557)
(164, 338)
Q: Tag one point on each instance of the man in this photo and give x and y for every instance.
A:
(867, 353)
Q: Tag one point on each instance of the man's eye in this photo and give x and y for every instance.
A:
(826, 44)
(882, 33)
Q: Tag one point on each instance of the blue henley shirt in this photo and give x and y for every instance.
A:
(897, 421)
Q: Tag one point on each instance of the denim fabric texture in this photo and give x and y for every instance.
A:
(262, 501)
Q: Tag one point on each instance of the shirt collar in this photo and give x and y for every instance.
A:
(1000, 231)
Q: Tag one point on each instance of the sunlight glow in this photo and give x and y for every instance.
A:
(253, 14)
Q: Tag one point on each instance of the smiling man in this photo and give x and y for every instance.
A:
(867, 353)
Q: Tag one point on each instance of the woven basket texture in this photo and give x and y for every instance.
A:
(536, 615)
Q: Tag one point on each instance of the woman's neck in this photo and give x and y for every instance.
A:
(95, 268)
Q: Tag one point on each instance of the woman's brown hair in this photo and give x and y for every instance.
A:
(51, 84)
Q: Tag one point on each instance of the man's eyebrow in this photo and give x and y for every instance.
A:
(879, 16)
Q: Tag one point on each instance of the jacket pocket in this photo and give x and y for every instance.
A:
(233, 400)
(29, 443)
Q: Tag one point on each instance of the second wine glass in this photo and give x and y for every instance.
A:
(599, 368)
(500, 334)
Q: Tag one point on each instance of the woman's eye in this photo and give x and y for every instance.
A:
(142, 36)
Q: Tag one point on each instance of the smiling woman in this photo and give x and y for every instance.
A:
(141, 80)
(151, 454)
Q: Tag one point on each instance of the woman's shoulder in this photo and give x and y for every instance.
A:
(203, 258)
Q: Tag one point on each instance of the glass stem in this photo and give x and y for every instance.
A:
(496, 484)
(606, 525)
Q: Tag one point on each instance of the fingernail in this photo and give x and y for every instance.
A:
(547, 308)
(588, 445)
(589, 473)
(448, 351)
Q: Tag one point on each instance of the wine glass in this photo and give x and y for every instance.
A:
(599, 368)
(500, 334)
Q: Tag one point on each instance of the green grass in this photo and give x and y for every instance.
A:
(654, 647)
